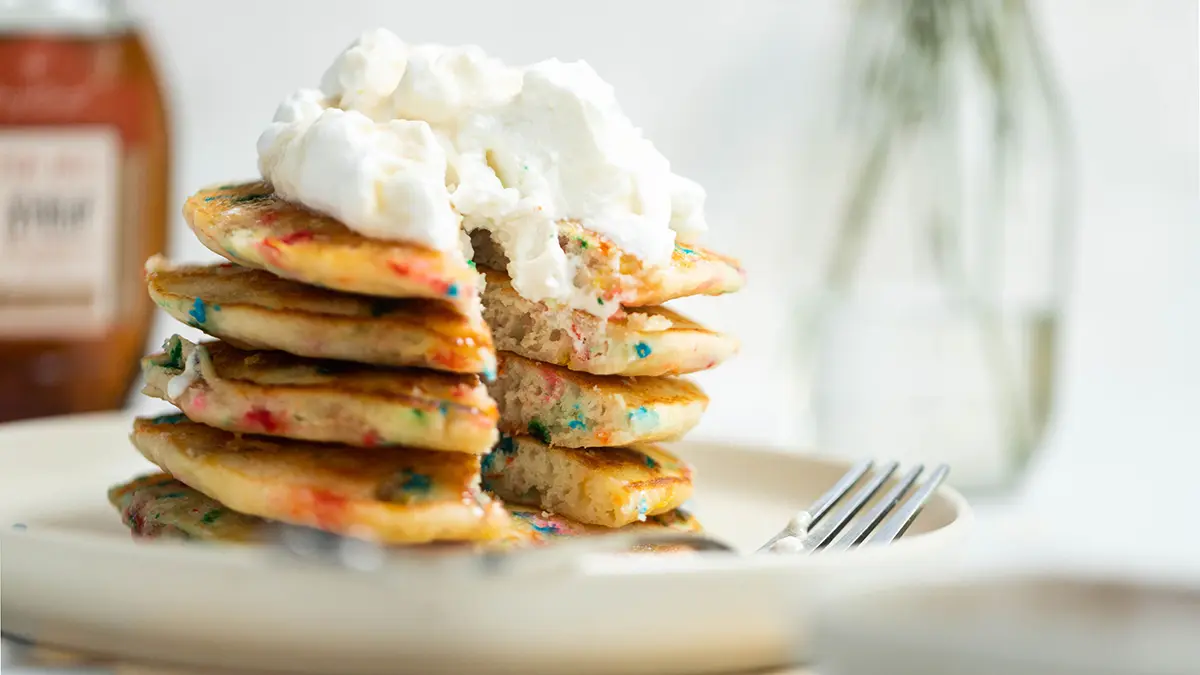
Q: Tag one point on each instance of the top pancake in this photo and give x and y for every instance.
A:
(617, 276)
(248, 224)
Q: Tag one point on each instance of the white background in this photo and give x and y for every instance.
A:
(737, 94)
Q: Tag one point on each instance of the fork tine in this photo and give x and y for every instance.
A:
(821, 506)
(857, 530)
(903, 516)
(829, 527)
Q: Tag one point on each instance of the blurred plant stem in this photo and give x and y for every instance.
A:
(912, 66)
(906, 63)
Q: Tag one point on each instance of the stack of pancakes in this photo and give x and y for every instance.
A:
(344, 393)
(583, 398)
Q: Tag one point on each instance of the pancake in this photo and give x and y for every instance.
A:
(391, 495)
(255, 309)
(577, 410)
(611, 487)
(535, 526)
(278, 394)
(615, 276)
(249, 225)
(158, 506)
(647, 341)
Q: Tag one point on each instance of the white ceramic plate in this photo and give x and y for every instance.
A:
(72, 577)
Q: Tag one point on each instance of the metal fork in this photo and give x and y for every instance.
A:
(814, 529)
(834, 513)
(887, 520)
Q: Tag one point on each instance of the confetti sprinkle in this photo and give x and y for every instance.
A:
(296, 237)
(643, 417)
(452, 291)
(539, 431)
(211, 517)
(174, 353)
(651, 463)
(506, 446)
(198, 313)
(539, 523)
(173, 418)
(642, 349)
(415, 482)
(261, 418)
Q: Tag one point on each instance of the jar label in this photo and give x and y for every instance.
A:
(58, 231)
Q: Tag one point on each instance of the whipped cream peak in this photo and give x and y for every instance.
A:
(424, 143)
(442, 85)
(364, 76)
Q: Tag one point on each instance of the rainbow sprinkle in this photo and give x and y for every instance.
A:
(173, 418)
(539, 431)
(644, 417)
(642, 349)
(198, 313)
(415, 482)
(174, 353)
(506, 445)
(538, 523)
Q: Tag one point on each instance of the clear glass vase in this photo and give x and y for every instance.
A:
(931, 335)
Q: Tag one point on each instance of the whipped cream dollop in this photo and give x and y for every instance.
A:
(425, 143)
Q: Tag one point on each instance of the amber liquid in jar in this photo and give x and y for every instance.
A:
(83, 203)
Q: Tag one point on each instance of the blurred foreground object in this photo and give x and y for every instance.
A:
(932, 334)
(1026, 623)
(83, 189)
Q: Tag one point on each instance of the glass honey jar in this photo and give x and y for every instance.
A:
(84, 166)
